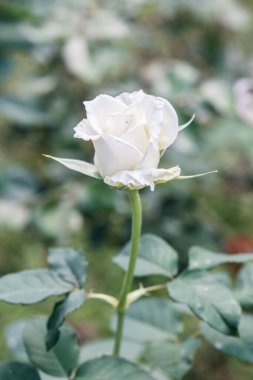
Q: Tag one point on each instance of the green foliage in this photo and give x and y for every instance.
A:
(130, 350)
(152, 319)
(200, 258)
(153, 328)
(14, 340)
(208, 299)
(72, 302)
(239, 347)
(244, 286)
(155, 257)
(174, 359)
(18, 371)
(69, 264)
(62, 359)
(110, 368)
(32, 286)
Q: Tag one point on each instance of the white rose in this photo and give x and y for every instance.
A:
(129, 133)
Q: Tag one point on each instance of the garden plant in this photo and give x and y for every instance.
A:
(130, 133)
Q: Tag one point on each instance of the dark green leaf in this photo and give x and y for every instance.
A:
(18, 371)
(208, 299)
(200, 258)
(94, 349)
(239, 347)
(31, 286)
(111, 368)
(151, 318)
(244, 286)
(71, 303)
(62, 359)
(155, 257)
(69, 264)
(173, 359)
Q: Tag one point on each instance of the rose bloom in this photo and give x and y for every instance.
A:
(129, 133)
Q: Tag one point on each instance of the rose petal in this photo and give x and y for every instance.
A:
(100, 109)
(137, 179)
(77, 165)
(85, 131)
(130, 97)
(137, 136)
(151, 157)
(170, 127)
(113, 155)
(152, 108)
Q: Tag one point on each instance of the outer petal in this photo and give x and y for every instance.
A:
(151, 157)
(101, 108)
(170, 126)
(85, 131)
(138, 179)
(113, 155)
(129, 98)
(77, 165)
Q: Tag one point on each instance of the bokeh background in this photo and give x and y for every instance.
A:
(57, 53)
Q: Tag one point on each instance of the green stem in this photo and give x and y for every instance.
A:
(128, 280)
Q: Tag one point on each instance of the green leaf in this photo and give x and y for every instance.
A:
(244, 286)
(14, 340)
(150, 319)
(31, 286)
(173, 359)
(155, 257)
(69, 264)
(78, 166)
(71, 303)
(239, 347)
(62, 359)
(200, 258)
(208, 299)
(94, 349)
(111, 368)
(18, 371)
(44, 376)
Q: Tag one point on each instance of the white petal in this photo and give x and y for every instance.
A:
(138, 137)
(130, 97)
(113, 155)
(101, 108)
(85, 131)
(118, 124)
(153, 108)
(77, 165)
(149, 107)
(137, 179)
(170, 127)
(151, 157)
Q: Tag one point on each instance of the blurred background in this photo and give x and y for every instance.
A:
(57, 53)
